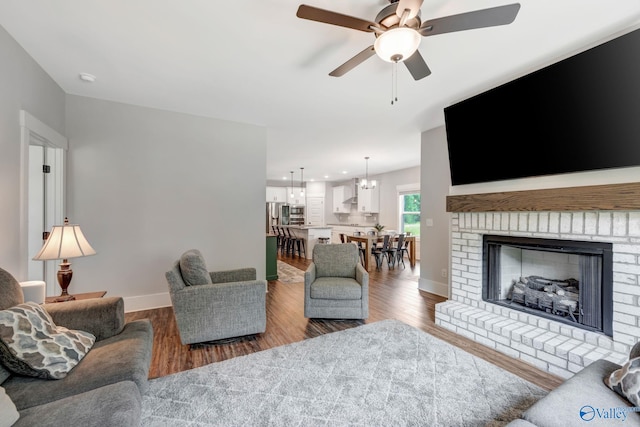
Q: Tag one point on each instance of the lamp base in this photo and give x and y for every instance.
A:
(64, 279)
(63, 298)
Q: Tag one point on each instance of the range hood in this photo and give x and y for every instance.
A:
(353, 199)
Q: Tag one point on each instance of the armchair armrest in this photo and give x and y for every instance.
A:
(236, 275)
(191, 301)
(310, 275)
(362, 276)
(102, 317)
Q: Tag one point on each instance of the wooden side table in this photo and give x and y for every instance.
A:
(86, 295)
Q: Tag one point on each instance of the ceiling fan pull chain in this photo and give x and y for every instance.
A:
(395, 79)
(391, 84)
(394, 82)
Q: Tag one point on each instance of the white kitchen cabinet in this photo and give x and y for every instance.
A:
(340, 194)
(276, 194)
(297, 199)
(369, 200)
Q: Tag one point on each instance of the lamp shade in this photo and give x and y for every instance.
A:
(397, 44)
(65, 241)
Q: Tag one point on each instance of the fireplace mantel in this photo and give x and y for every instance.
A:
(594, 197)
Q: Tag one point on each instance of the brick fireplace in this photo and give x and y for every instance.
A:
(557, 347)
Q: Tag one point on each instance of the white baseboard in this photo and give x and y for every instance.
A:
(149, 302)
(434, 287)
(146, 302)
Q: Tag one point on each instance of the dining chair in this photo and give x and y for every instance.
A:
(401, 249)
(361, 249)
(381, 252)
(374, 235)
(392, 251)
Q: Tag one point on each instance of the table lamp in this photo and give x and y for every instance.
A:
(64, 242)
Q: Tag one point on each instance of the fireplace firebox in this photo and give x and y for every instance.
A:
(568, 281)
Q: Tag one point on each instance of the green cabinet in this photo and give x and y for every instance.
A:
(272, 257)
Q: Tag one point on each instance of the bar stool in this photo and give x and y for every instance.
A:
(284, 240)
(296, 243)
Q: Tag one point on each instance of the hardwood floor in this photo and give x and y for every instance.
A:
(393, 294)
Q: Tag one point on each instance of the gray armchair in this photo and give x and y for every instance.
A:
(336, 285)
(211, 306)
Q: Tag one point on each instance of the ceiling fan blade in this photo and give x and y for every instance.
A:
(416, 66)
(334, 18)
(353, 62)
(491, 17)
(413, 5)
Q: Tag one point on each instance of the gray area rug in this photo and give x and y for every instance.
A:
(385, 373)
(289, 274)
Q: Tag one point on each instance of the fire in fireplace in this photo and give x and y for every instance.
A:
(564, 280)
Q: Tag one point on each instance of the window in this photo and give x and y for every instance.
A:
(410, 213)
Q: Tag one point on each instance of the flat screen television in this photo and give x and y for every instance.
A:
(579, 114)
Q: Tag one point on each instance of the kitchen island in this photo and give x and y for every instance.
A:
(310, 234)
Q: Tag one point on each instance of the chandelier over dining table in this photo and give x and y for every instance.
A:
(365, 184)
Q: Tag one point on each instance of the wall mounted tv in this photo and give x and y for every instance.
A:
(579, 114)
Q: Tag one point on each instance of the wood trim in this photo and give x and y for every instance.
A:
(588, 198)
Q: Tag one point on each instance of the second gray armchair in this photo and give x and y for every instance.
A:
(336, 285)
(210, 306)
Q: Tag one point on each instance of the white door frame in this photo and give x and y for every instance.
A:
(35, 132)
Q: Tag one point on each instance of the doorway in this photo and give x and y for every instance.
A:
(315, 211)
(42, 194)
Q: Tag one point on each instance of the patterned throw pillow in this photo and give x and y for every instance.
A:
(626, 381)
(32, 345)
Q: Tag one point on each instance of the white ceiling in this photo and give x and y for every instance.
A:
(256, 62)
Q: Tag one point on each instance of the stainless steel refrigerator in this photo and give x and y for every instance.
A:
(277, 214)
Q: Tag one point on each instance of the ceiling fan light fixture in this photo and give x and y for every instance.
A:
(397, 44)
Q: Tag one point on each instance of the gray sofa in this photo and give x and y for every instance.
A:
(106, 387)
(336, 285)
(583, 400)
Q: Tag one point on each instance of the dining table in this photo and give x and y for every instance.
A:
(369, 241)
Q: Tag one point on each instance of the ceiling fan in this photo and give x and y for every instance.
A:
(398, 30)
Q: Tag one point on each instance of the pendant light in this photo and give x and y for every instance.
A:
(292, 195)
(301, 182)
(364, 183)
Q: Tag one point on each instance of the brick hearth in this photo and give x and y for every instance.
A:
(556, 347)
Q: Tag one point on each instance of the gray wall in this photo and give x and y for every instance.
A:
(146, 185)
(434, 188)
(389, 182)
(23, 86)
